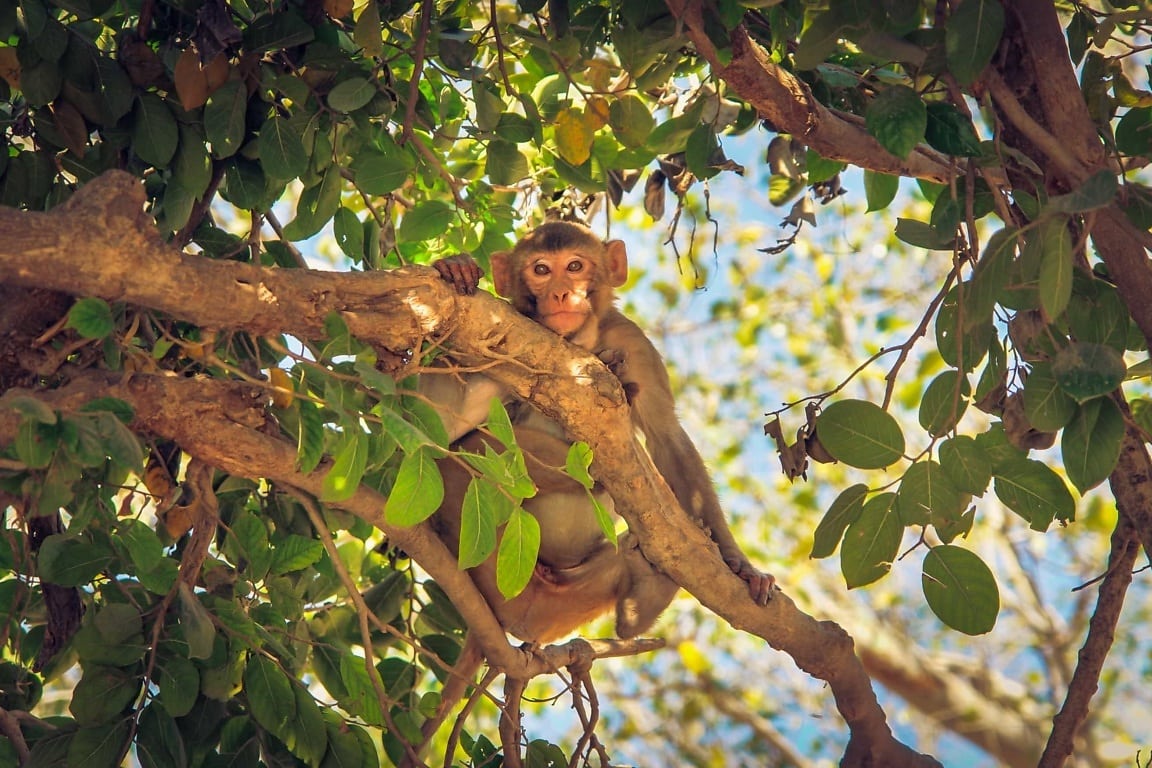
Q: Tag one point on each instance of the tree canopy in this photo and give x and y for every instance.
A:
(217, 475)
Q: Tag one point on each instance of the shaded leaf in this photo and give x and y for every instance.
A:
(960, 589)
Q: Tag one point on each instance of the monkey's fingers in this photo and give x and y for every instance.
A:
(760, 584)
(461, 271)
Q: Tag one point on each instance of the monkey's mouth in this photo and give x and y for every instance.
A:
(564, 323)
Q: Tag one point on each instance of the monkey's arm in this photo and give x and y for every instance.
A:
(461, 400)
(644, 377)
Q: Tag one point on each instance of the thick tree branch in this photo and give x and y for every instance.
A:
(787, 103)
(396, 310)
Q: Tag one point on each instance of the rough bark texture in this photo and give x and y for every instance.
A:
(221, 422)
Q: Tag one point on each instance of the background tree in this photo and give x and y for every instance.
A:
(212, 450)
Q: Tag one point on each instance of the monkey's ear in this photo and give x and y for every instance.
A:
(502, 278)
(615, 262)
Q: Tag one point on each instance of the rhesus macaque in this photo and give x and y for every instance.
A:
(562, 276)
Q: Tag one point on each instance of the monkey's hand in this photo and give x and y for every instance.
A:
(614, 359)
(760, 584)
(461, 271)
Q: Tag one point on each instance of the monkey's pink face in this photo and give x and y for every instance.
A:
(562, 282)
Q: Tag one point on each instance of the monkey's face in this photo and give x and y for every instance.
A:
(563, 284)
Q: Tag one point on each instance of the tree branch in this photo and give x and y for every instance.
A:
(217, 422)
(786, 102)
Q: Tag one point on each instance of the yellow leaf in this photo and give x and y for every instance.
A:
(366, 33)
(596, 114)
(693, 658)
(281, 388)
(337, 9)
(573, 136)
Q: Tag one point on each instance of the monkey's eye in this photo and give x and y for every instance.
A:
(575, 266)
(540, 268)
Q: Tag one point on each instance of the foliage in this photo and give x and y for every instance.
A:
(408, 131)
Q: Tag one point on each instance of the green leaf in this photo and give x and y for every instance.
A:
(923, 235)
(1086, 370)
(348, 465)
(820, 168)
(1032, 490)
(926, 495)
(960, 589)
(36, 443)
(479, 516)
(32, 407)
(281, 151)
(418, 490)
(120, 443)
(92, 318)
(989, 278)
(269, 693)
(195, 621)
(971, 38)
(224, 118)
(701, 152)
(382, 168)
(351, 94)
(100, 746)
(950, 131)
(944, 402)
(1046, 406)
(1134, 132)
(305, 736)
(672, 135)
(577, 462)
(968, 467)
(1097, 191)
(516, 559)
(845, 510)
(309, 435)
(860, 433)
(630, 120)
(1055, 284)
(154, 130)
(349, 233)
(871, 542)
(361, 697)
(316, 206)
(880, 189)
(1090, 445)
(515, 128)
(897, 118)
(70, 560)
(159, 743)
(426, 220)
(144, 546)
(505, 164)
(102, 694)
(499, 424)
(295, 553)
(277, 31)
(1098, 315)
(179, 683)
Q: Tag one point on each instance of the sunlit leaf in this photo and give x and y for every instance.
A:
(418, 490)
(860, 434)
(1032, 490)
(516, 558)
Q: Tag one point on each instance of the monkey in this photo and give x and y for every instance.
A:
(562, 276)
